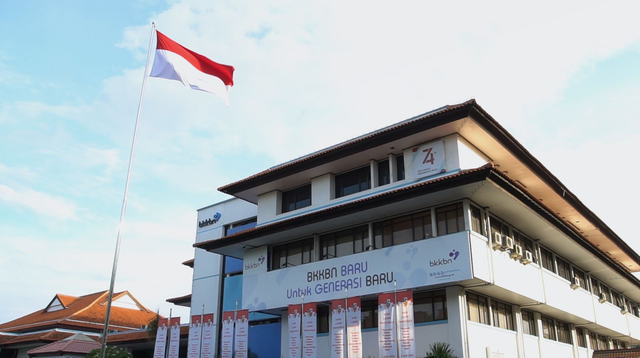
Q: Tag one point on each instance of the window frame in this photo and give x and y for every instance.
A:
(336, 235)
(430, 299)
(294, 193)
(387, 170)
(362, 175)
(458, 209)
(529, 324)
(483, 316)
(291, 245)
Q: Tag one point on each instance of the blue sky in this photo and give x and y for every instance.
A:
(561, 77)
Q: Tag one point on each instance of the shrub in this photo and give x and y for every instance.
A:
(440, 350)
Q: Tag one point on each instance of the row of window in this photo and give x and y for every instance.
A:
(427, 307)
(400, 230)
(348, 183)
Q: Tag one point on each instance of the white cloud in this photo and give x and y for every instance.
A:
(42, 203)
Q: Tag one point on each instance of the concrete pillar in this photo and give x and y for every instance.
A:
(457, 320)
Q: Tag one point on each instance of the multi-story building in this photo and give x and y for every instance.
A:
(503, 260)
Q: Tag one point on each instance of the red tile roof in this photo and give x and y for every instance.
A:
(87, 311)
(49, 336)
(75, 344)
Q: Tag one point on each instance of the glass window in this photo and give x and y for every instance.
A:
(323, 319)
(344, 242)
(564, 332)
(583, 278)
(240, 226)
(369, 313)
(564, 269)
(502, 315)
(604, 289)
(547, 260)
(353, 182)
(450, 219)
(292, 254)
(634, 308)
(499, 227)
(400, 167)
(477, 308)
(595, 286)
(529, 323)
(548, 328)
(582, 339)
(593, 340)
(402, 229)
(602, 342)
(526, 244)
(476, 220)
(296, 198)
(383, 173)
(430, 306)
(617, 299)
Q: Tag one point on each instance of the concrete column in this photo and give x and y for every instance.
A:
(457, 320)
(373, 166)
(517, 314)
(393, 168)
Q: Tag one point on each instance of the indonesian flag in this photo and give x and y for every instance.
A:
(175, 62)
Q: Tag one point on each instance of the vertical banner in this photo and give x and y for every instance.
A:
(174, 340)
(195, 328)
(242, 334)
(337, 328)
(406, 332)
(309, 331)
(354, 332)
(161, 338)
(208, 337)
(387, 346)
(226, 344)
(294, 331)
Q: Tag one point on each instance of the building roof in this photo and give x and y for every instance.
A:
(77, 343)
(181, 301)
(473, 123)
(85, 312)
(189, 262)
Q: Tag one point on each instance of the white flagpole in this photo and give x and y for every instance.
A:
(105, 331)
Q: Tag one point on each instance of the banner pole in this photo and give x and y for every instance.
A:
(123, 211)
(302, 327)
(396, 309)
(201, 329)
(168, 334)
(346, 322)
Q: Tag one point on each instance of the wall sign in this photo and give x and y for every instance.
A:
(211, 221)
(420, 263)
(428, 159)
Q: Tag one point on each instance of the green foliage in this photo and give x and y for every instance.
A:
(110, 352)
(152, 328)
(440, 350)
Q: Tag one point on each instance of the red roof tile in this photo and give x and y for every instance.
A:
(67, 345)
(49, 336)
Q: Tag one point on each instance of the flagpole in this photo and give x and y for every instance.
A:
(105, 330)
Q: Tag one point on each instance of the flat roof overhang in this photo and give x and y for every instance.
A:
(468, 183)
(471, 122)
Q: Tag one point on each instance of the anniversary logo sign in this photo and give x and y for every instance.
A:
(416, 264)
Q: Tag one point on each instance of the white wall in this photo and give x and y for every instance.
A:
(608, 315)
(560, 295)
(469, 156)
(499, 341)
(555, 349)
(321, 190)
(531, 346)
(516, 277)
(634, 325)
(268, 207)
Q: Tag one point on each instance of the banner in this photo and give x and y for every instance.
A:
(193, 350)
(226, 344)
(242, 334)
(174, 338)
(161, 338)
(208, 336)
(294, 331)
(337, 328)
(354, 332)
(387, 346)
(406, 332)
(309, 331)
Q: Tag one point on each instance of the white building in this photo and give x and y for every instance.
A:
(502, 258)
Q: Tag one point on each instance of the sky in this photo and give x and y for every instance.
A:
(562, 77)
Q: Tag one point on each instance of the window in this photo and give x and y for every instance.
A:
(595, 286)
(400, 167)
(564, 332)
(604, 289)
(477, 308)
(583, 278)
(353, 181)
(528, 323)
(384, 176)
(323, 319)
(296, 198)
(292, 254)
(402, 230)
(582, 339)
(602, 342)
(499, 227)
(617, 299)
(502, 315)
(476, 220)
(240, 226)
(634, 309)
(344, 242)
(430, 306)
(564, 269)
(450, 219)
(548, 328)
(369, 313)
(547, 260)
(593, 340)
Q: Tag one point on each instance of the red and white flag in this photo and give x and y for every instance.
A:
(176, 62)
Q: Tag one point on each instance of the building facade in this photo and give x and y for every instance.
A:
(503, 260)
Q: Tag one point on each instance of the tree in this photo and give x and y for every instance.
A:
(440, 350)
(152, 328)
(110, 352)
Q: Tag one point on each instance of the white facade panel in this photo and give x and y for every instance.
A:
(555, 349)
(531, 345)
(560, 295)
(481, 257)
(484, 339)
(608, 315)
(516, 277)
(469, 156)
(584, 353)
(634, 326)
(268, 207)
(321, 190)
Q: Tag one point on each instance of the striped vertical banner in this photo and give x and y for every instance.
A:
(242, 334)
(174, 338)
(208, 336)
(226, 344)
(195, 328)
(354, 331)
(309, 331)
(387, 345)
(161, 338)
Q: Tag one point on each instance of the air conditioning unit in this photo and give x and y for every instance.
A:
(602, 297)
(516, 254)
(575, 282)
(527, 259)
(496, 243)
(623, 311)
(509, 243)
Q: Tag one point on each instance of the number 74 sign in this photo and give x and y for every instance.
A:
(428, 159)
